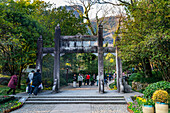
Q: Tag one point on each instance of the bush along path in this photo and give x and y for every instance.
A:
(155, 93)
(111, 85)
(9, 103)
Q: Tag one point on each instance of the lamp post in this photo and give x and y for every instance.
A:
(67, 65)
(67, 76)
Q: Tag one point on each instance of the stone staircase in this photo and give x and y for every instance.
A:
(76, 100)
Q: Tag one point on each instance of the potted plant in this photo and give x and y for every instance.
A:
(161, 98)
(148, 106)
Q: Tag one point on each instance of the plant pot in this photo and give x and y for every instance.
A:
(148, 109)
(161, 107)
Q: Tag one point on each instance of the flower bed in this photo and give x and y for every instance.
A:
(10, 105)
(4, 99)
(129, 109)
(16, 106)
(138, 102)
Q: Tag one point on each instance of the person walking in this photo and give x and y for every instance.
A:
(105, 79)
(88, 79)
(110, 77)
(13, 83)
(80, 79)
(85, 81)
(29, 81)
(92, 79)
(97, 78)
(36, 82)
(74, 80)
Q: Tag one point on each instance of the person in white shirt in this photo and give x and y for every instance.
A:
(29, 80)
(97, 78)
(80, 79)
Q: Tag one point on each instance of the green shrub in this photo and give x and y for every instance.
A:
(140, 77)
(136, 77)
(4, 83)
(148, 92)
(62, 82)
(112, 85)
(115, 81)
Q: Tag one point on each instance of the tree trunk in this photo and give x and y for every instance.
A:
(147, 66)
(19, 81)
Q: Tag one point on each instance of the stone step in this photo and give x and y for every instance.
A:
(76, 102)
(75, 96)
(74, 99)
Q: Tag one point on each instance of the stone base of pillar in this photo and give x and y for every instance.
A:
(55, 86)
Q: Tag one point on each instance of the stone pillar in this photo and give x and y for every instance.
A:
(56, 74)
(100, 59)
(39, 53)
(118, 69)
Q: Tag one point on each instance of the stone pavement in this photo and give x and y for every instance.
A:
(72, 108)
(77, 108)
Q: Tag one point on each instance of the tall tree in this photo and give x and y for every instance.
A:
(145, 25)
(22, 22)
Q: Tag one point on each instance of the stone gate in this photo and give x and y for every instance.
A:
(62, 45)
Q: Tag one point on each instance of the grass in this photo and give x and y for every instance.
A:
(4, 76)
(4, 89)
(9, 105)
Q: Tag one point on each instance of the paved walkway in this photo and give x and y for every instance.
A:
(77, 108)
(72, 108)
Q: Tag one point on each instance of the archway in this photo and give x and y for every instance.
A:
(62, 45)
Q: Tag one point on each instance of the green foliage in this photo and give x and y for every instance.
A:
(19, 33)
(5, 76)
(63, 82)
(5, 88)
(13, 103)
(109, 63)
(4, 82)
(149, 101)
(22, 22)
(112, 86)
(5, 98)
(144, 38)
(138, 102)
(140, 77)
(135, 107)
(115, 81)
(84, 63)
(148, 92)
(136, 77)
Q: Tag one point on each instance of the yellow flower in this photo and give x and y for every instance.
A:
(160, 96)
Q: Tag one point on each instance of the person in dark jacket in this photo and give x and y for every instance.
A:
(74, 80)
(74, 77)
(36, 82)
(13, 83)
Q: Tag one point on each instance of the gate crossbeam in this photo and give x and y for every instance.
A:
(92, 49)
(79, 38)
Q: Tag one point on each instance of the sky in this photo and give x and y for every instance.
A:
(92, 12)
(58, 2)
